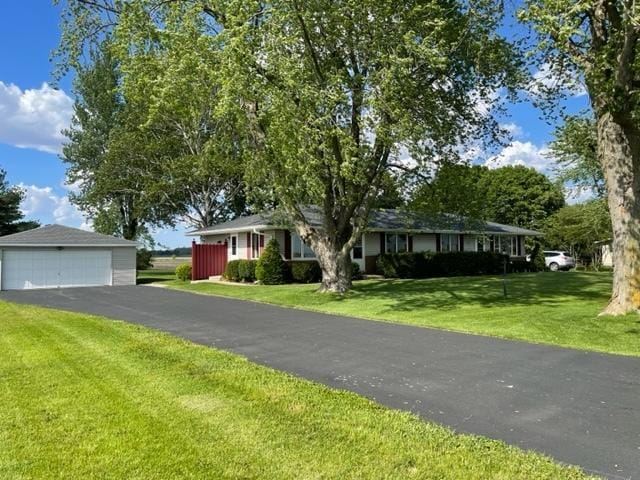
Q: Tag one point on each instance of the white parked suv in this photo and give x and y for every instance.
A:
(558, 260)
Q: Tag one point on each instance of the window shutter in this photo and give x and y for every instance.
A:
(461, 240)
(382, 243)
(248, 245)
(287, 245)
(410, 243)
(438, 246)
(261, 241)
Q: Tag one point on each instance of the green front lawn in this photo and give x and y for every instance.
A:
(85, 397)
(559, 308)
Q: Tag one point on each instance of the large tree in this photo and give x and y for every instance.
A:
(575, 150)
(108, 156)
(597, 41)
(515, 195)
(11, 217)
(578, 227)
(327, 94)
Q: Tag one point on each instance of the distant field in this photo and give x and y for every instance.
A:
(168, 263)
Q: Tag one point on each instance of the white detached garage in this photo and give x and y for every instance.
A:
(55, 256)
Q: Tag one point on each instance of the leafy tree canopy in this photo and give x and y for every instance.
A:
(514, 195)
(577, 227)
(575, 150)
(11, 218)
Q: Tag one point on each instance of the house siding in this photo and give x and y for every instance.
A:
(215, 238)
(123, 266)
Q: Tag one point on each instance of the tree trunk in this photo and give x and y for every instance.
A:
(335, 265)
(619, 154)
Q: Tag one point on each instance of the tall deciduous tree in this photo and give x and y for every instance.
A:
(108, 156)
(512, 195)
(598, 41)
(328, 93)
(578, 228)
(11, 217)
(575, 150)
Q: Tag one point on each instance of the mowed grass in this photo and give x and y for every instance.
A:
(85, 397)
(558, 308)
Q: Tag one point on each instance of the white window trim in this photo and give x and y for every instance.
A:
(395, 250)
(231, 238)
(302, 257)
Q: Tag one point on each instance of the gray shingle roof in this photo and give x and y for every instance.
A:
(379, 220)
(61, 236)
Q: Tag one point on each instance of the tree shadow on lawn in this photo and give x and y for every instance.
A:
(555, 289)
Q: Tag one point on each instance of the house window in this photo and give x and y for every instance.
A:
(357, 250)
(395, 243)
(482, 243)
(255, 245)
(449, 242)
(234, 245)
(299, 249)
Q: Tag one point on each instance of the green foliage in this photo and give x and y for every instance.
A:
(575, 150)
(450, 264)
(577, 227)
(108, 155)
(537, 258)
(10, 214)
(305, 272)
(519, 195)
(515, 195)
(271, 269)
(231, 271)
(455, 189)
(183, 272)
(247, 270)
(143, 259)
(356, 274)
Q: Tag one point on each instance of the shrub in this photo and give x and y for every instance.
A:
(271, 268)
(427, 265)
(183, 272)
(356, 274)
(231, 271)
(143, 259)
(537, 259)
(305, 272)
(247, 270)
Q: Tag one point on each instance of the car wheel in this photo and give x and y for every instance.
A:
(553, 266)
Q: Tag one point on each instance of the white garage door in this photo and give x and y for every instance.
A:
(28, 269)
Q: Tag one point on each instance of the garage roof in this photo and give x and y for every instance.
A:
(61, 236)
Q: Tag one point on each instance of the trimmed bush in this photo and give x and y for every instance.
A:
(231, 271)
(305, 272)
(537, 259)
(247, 270)
(271, 268)
(356, 274)
(183, 272)
(427, 265)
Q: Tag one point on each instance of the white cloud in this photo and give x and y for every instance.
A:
(43, 204)
(546, 78)
(522, 153)
(34, 118)
(512, 129)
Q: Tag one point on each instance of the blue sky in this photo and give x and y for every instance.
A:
(32, 114)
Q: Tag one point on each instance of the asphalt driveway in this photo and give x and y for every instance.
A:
(578, 407)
